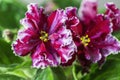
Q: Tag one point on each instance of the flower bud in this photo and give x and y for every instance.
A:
(8, 35)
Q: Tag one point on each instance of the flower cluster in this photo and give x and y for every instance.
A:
(61, 37)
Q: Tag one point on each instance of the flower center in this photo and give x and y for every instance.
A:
(44, 36)
(85, 40)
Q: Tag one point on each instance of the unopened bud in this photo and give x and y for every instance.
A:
(8, 35)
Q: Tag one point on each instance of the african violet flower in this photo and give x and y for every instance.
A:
(113, 13)
(45, 37)
(92, 35)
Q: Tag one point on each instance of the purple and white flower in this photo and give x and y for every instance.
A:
(92, 35)
(45, 38)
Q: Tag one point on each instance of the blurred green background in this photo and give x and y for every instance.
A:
(16, 68)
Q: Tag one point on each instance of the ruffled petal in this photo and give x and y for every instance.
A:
(113, 13)
(92, 54)
(87, 56)
(36, 14)
(71, 11)
(88, 10)
(105, 52)
(29, 24)
(56, 19)
(27, 34)
(73, 21)
(25, 42)
(44, 56)
(109, 45)
(69, 62)
(63, 43)
(101, 28)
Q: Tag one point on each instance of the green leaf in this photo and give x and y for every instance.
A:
(10, 77)
(68, 72)
(117, 34)
(76, 70)
(58, 73)
(109, 71)
(50, 74)
(6, 54)
(44, 74)
(26, 73)
(23, 70)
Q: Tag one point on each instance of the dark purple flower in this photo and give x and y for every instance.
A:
(94, 40)
(45, 38)
(113, 13)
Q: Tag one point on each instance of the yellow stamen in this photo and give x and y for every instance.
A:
(44, 36)
(85, 40)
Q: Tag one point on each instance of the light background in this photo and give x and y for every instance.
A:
(101, 2)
